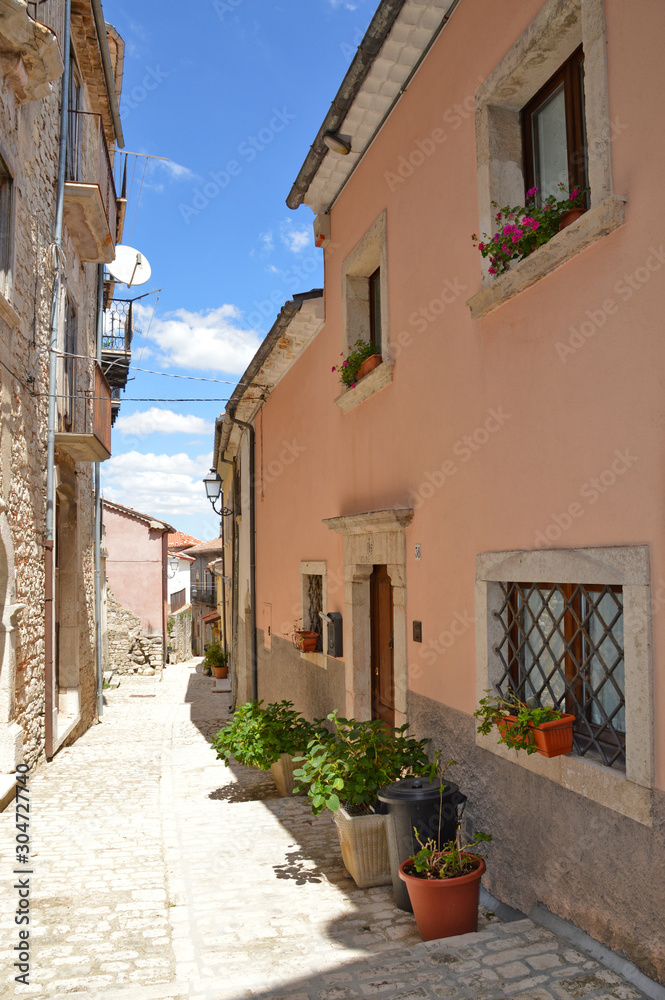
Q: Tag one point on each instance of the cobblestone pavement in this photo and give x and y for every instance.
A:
(159, 873)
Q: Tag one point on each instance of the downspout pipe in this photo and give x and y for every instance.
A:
(252, 551)
(98, 518)
(100, 25)
(49, 532)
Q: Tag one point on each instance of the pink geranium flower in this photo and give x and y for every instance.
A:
(530, 193)
(481, 246)
(492, 270)
(574, 193)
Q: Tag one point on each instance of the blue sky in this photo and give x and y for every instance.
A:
(233, 93)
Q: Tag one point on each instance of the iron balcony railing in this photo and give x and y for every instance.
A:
(88, 160)
(117, 334)
(85, 400)
(204, 595)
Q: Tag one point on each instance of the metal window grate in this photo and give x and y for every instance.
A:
(562, 644)
(314, 606)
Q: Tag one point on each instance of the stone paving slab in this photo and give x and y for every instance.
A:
(161, 874)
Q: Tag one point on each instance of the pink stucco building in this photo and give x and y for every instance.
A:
(136, 564)
(485, 508)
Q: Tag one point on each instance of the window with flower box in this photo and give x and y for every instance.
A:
(572, 627)
(562, 644)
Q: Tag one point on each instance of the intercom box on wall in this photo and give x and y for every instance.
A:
(335, 647)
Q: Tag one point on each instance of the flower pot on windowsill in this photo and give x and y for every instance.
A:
(572, 215)
(552, 739)
(305, 640)
(368, 365)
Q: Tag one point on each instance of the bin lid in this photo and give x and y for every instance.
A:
(415, 789)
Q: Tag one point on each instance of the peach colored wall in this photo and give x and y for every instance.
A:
(565, 420)
(134, 567)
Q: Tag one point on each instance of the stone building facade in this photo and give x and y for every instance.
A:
(48, 685)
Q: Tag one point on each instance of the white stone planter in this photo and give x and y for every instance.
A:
(364, 848)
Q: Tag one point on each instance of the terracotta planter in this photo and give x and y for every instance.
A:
(221, 672)
(368, 365)
(552, 739)
(444, 907)
(306, 641)
(572, 215)
(282, 774)
(364, 848)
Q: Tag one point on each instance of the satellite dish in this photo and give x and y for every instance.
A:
(129, 267)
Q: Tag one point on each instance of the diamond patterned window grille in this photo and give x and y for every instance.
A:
(562, 644)
(314, 605)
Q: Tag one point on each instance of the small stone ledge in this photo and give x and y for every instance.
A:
(597, 222)
(377, 379)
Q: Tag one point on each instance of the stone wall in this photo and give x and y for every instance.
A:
(130, 650)
(180, 636)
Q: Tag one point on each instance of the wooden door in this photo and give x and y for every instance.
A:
(381, 612)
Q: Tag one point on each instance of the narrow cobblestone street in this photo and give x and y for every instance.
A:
(159, 873)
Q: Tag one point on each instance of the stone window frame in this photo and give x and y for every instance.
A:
(629, 794)
(558, 29)
(370, 253)
(314, 568)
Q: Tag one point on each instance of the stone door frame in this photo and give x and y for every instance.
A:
(375, 537)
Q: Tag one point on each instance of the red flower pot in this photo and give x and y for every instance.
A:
(572, 215)
(444, 907)
(221, 672)
(305, 641)
(368, 365)
(552, 739)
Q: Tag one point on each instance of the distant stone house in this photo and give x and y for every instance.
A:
(55, 406)
(136, 589)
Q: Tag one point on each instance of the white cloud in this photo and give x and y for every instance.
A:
(296, 240)
(268, 241)
(210, 340)
(161, 421)
(175, 171)
(167, 486)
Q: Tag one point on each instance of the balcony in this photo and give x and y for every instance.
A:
(84, 412)
(90, 209)
(204, 595)
(30, 58)
(178, 600)
(117, 333)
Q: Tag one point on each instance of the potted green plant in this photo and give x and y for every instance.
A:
(305, 640)
(523, 229)
(267, 738)
(216, 660)
(360, 360)
(526, 725)
(444, 885)
(343, 770)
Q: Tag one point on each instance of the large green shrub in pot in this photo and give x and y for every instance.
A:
(257, 736)
(349, 765)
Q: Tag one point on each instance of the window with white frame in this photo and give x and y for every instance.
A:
(572, 628)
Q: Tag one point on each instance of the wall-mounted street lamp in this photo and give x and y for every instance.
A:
(174, 566)
(213, 485)
(336, 143)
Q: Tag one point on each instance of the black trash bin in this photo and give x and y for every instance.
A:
(416, 802)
